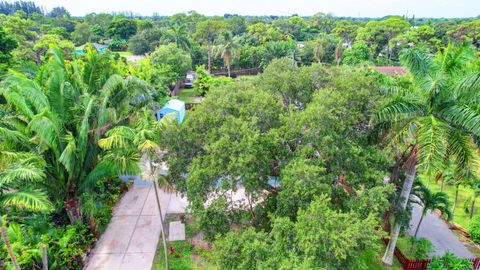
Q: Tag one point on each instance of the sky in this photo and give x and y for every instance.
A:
(353, 8)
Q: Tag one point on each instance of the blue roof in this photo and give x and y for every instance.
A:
(173, 106)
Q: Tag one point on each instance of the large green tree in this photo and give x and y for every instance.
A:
(207, 31)
(172, 64)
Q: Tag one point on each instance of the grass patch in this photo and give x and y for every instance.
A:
(181, 254)
(373, 261)
(182, 257)
(125, 53)
(404, 245)
(461, 217)
(187, 95)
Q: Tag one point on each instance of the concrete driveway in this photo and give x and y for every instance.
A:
(436, 230)
(131, 238)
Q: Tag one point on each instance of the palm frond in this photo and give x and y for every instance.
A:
(35, 200)
(118, 137)
(12, 135)
(22, 172)
(432, 140)
(463, 115)
(45, 127)
(418, 61)
(468, 89)
(101, 171)
(462, 147)
(455, 57)
(396, 109)
(68, 156)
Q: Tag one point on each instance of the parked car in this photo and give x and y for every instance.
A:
(189, 78)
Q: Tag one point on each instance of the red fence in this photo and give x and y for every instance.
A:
(408, 264)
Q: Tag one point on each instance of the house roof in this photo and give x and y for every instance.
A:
(175, 104)
(391, 70)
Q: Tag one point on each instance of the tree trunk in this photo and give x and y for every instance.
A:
(165, 251)
(44, 257)
(74, 211)
(472, 209)
(93, 226)
(209, 55)
(455, 201)
(3, 231)
(419, 223)
(38, 58)
(228, 70)
(411, 166)
(176, 88)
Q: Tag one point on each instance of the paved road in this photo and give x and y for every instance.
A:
(437, 231)
(131, 238)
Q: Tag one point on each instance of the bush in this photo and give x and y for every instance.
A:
(205, 81)
(420, 247)
(66, 244)
(214, 219)
(449, 262)
(474, 229)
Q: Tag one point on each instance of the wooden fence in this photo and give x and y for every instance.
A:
(409, 264)
(238, 72)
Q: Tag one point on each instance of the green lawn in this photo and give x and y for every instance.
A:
(461, 217)
(373, 261)
(187, 95)
(125, 53)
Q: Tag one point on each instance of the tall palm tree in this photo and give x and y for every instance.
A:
(177, 33)
(429, 201)
(437, 118)
(229, 49)
(144, 137)
(62, 114)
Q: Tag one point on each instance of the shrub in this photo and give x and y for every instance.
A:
(205, 81)
(214, 219)
(449, 262)
(474, 229)
(420, 247)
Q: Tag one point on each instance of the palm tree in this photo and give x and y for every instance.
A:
(63, 113)
(429, 201)
(436, 118)
(177, 33)
(229, 49)
(143, 138)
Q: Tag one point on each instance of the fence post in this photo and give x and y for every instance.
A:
(44, 257)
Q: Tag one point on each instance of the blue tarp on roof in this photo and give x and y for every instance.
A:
(173, 106)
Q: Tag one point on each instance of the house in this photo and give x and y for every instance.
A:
(173, 106)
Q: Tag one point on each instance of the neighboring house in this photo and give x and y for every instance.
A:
(173, 106)
(391, 70)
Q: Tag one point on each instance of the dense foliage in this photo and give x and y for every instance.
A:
(234, 42)
(295, 168)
